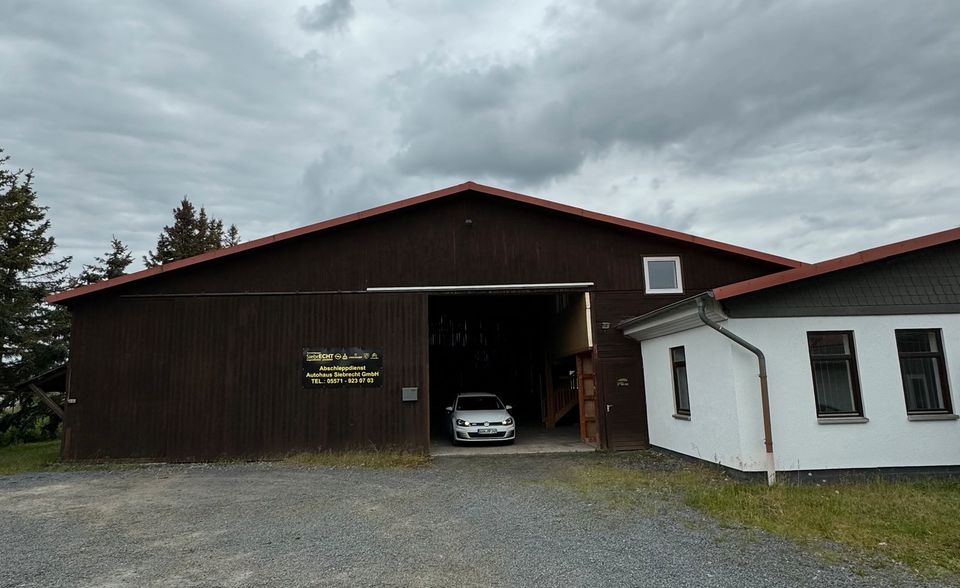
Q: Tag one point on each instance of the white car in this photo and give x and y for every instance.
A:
(480, 417)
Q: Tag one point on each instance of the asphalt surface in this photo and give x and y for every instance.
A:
(463, 521)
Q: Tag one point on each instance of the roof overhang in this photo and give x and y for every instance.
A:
(673, 318)
(54, 379)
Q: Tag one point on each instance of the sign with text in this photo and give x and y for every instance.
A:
(342, 367)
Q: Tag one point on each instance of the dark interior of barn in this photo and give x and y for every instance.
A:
(504, 344)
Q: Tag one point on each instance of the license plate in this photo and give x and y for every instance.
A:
(481, 431)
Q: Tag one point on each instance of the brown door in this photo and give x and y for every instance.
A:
(624, 406)
(586, 386)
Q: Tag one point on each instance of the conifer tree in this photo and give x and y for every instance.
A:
(33, 334)
(179, 240)
(232, 237)
(113, 264)
(193, 232)
(212, 232)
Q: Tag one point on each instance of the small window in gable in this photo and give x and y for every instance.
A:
(662, 275)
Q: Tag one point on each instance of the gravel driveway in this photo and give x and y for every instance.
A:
(480, 521)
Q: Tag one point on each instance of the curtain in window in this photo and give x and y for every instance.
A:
(921, 381)
(921, 366)
(834, 386)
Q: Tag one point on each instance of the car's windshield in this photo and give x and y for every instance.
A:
(478, 403)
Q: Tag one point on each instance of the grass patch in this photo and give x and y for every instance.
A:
(623, 487)
(29, 457)
(45, 456)
(376, 459)
(911, 522)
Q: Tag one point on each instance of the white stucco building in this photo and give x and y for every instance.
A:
(862, 359)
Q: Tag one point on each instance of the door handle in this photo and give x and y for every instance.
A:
(608, 407)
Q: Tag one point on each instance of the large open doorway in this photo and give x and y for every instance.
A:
(532, 350)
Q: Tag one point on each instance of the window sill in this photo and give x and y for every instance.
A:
(841, 420)
(932, 417)
(682, 417)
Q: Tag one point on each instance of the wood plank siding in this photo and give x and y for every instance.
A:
(200, 378)
(204, 362)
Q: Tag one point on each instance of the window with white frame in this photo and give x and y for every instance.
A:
(661, 275)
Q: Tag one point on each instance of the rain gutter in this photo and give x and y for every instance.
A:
(764, 395)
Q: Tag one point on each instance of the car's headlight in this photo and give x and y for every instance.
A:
(463, 423)
(509, 421)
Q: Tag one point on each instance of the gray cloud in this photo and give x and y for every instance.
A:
(331, 15)
(807, 128)
(336, 181)
(121, 116)
(720, 81)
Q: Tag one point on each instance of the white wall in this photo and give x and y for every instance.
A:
(713, 431)
(726, 421)
(888, 439)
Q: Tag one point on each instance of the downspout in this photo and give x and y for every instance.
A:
(764, 395)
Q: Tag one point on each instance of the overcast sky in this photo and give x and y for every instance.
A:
(806, 129)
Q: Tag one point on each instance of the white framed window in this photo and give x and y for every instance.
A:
(662, 275)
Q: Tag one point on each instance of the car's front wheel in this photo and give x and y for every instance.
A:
(453, 436)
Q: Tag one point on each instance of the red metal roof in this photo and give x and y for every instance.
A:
(839, 263)
(445, 192)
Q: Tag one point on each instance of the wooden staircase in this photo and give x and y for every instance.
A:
(560, 403)
(574, 390)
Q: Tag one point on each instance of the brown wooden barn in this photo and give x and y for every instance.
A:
(464, 289)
